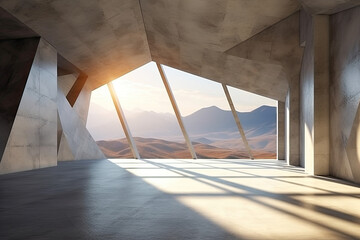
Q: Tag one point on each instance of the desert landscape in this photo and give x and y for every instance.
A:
(212, 131)
(157, 148)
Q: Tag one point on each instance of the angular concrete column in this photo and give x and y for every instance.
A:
(76, 143)
(315, 94)
(281, 130)
(321, 96)
(16, 61)
(292, 124)
(32, 142)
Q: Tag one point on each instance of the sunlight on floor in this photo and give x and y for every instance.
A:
(257, 199)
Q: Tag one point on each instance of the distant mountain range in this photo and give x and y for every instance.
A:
(210, 126)
(157, 148)
(255, 123)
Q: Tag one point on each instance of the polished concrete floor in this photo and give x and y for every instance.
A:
(176, 199)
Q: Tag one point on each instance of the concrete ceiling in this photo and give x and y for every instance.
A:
(108, 38)
(217, 26)
(103, 38)
(328, 6)
(193, 36)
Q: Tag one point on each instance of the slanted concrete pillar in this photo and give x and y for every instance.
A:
(237, 121)
(177, 111)
(123, 121)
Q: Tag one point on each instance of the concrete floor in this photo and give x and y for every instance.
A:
(176, 199)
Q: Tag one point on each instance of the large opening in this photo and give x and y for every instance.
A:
(205, 113)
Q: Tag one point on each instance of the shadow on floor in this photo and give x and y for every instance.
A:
(151, 199)
(94, 200)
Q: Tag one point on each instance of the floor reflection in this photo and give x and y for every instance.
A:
(176, 199)
(261, 199)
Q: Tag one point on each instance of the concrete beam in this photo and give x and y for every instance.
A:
(237, 121)
(176, 110)
(123, 122)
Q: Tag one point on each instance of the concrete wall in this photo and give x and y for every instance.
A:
(16, 59)
(32, 140)
(278, 45)
(345, 95)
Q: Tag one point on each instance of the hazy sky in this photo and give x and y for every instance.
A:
(143, 90)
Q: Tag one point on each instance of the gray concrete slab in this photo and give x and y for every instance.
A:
(32, 140)
(176, 199)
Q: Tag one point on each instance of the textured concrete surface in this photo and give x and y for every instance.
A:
(108, 38)
(314, 84)
(176, 199)
(345, 95)
(32, 141)
(65, 82)
(193, 36)
(252, 45)
(76, 142)
(280, 45)
(281, 131)
(321, 96)
(82, 103)
(15, 64)
(307, 92)
(12, 28)
(104, 38)
(328, 6)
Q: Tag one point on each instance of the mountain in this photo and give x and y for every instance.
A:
(255, 123)
(213, 132)
(212, 121)
(157, 148)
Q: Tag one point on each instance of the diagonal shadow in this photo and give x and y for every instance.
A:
(95, 200)
(288, 182)
(258, 192)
